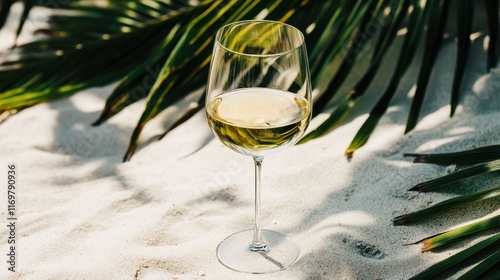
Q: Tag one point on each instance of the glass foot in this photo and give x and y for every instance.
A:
(234, 252)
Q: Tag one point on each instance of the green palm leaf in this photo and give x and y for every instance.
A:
(181, 65)
(80, 68)
(493, 23)
(343, 19)
(360, 88)
(336, 43)
(369, 12)
(405, 58)
(477, 155)
(448, 237)
(331, 17)
(137, 84)
(487, 269)
(5, 7)
(478, 169)
(448, 204)
(435, 32)
(464, 24)
(160, 49)
(456, 260)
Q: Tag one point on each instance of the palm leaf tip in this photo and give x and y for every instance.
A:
(418, 158)
(427, 245)
(419, 187)
(360, 139)
(400, 220)
(102, 118)
(451, 236)
(349, 153)
(130, 152)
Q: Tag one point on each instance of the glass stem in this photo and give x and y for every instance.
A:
(257, 244)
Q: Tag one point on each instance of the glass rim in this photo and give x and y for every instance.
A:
(302, 43)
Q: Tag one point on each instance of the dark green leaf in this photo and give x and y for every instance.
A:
(487, 269)
(464, 25)
(435, 31)
(447, 204)
(454, 261)
(192, 55)
(448, 237)
(332, 36)
(95, 65)
(493, 23)
(478, 155)
(359, 41)
(435, 184)
(138, 83)
(360, 88)
(408, 50)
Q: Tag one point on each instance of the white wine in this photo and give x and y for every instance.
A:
(258, 121)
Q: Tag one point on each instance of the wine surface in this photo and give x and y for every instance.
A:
(258, 121)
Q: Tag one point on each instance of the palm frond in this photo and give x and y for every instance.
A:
(159, 50)
(81, 64)
(435, 32)
(138, 83)
(482, 154)
(335, 33)
(436, 241)
(437, 183)
(421, 11)
(464, 24)
(448, 237)
(455, 261)
(448, 204)
(329, 15)
(181, 65)
(370, 11)
(487, 269)
(383, 44)
(80, 68)
(493, 24)
(343, 21)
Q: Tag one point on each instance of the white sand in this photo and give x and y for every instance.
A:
(82, 214)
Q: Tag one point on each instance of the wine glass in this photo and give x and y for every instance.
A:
(258, 102)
